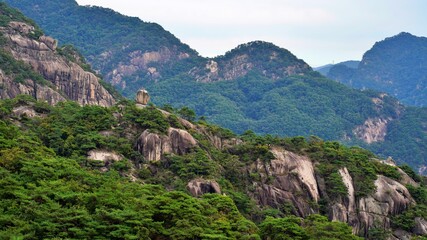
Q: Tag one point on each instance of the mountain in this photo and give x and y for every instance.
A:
(256, 86)
(302, 104)
(324, 70)
(273, 62)
(31, 63)
(125, 50)
(397, 65)
(135, 171)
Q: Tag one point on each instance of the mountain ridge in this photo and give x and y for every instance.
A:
(396, 65)
(120, 158)
(32, 64)
(269, 102)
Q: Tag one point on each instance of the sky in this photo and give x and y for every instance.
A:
(318, 31)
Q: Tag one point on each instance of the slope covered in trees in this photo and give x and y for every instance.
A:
(396, 65)
(53, 188)
(256, 86)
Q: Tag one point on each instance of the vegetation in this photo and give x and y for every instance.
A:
(19, 70)
(395, 67)
(313, 227)
(97, 31)
(51, 189)
(293, 106)
(8, 14)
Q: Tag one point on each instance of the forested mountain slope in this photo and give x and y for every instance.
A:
(256, 86)
(396, 65)
(123, 49)
(31, 63)
(93, 172)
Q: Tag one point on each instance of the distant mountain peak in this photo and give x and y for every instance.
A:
(264, 57)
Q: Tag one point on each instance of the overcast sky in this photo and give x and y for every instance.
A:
(317, 31)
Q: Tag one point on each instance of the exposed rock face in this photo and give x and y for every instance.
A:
(373, 130)
(10, 89)
(66, 77)
(293, 182)
(198, 187)
(390, 198)
(142, 97)
(139, 61)
(422, 170)
(103, 155)
(345, 211)
(245, 58)
(153, 146)
(420, 226)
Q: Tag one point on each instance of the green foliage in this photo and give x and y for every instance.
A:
(411, 173)
(187, 114)
(19, 70)
(333, 156)
(288, 228)
(406, 220)
(418, 193)
(96, 31)
(313, 227)
(318, 227)
(50, 189)
(398, 59)
(192, 165)
(387, 170)
(73, 130)
(378, 234)
(147, 118)
(8, 14)
(54, 198)
(406, 140)
(286, 106)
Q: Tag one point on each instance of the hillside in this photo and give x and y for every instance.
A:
(324, 70)
(304, 103)
(396, 65)
(125, 50)
(31, 63)
(94, 172)
(256, 86)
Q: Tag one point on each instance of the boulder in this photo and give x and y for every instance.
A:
(289, 178)
(198, 187)
(103, 155)
(142, 97)
(420, 226)
(153, 146)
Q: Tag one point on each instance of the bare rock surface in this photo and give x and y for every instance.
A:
(104, 155)
(142, 97)
(198, 187)
(65, 77)
(153, 146)
(289, 178)
(373, 130)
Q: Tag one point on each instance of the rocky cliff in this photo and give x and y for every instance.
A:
(263, 175)
(290, 180)
(273, 62)
(58, 78)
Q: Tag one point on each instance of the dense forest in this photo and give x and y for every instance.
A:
(256, 86)
(51, 189)
(133, 171)
(396, 65)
